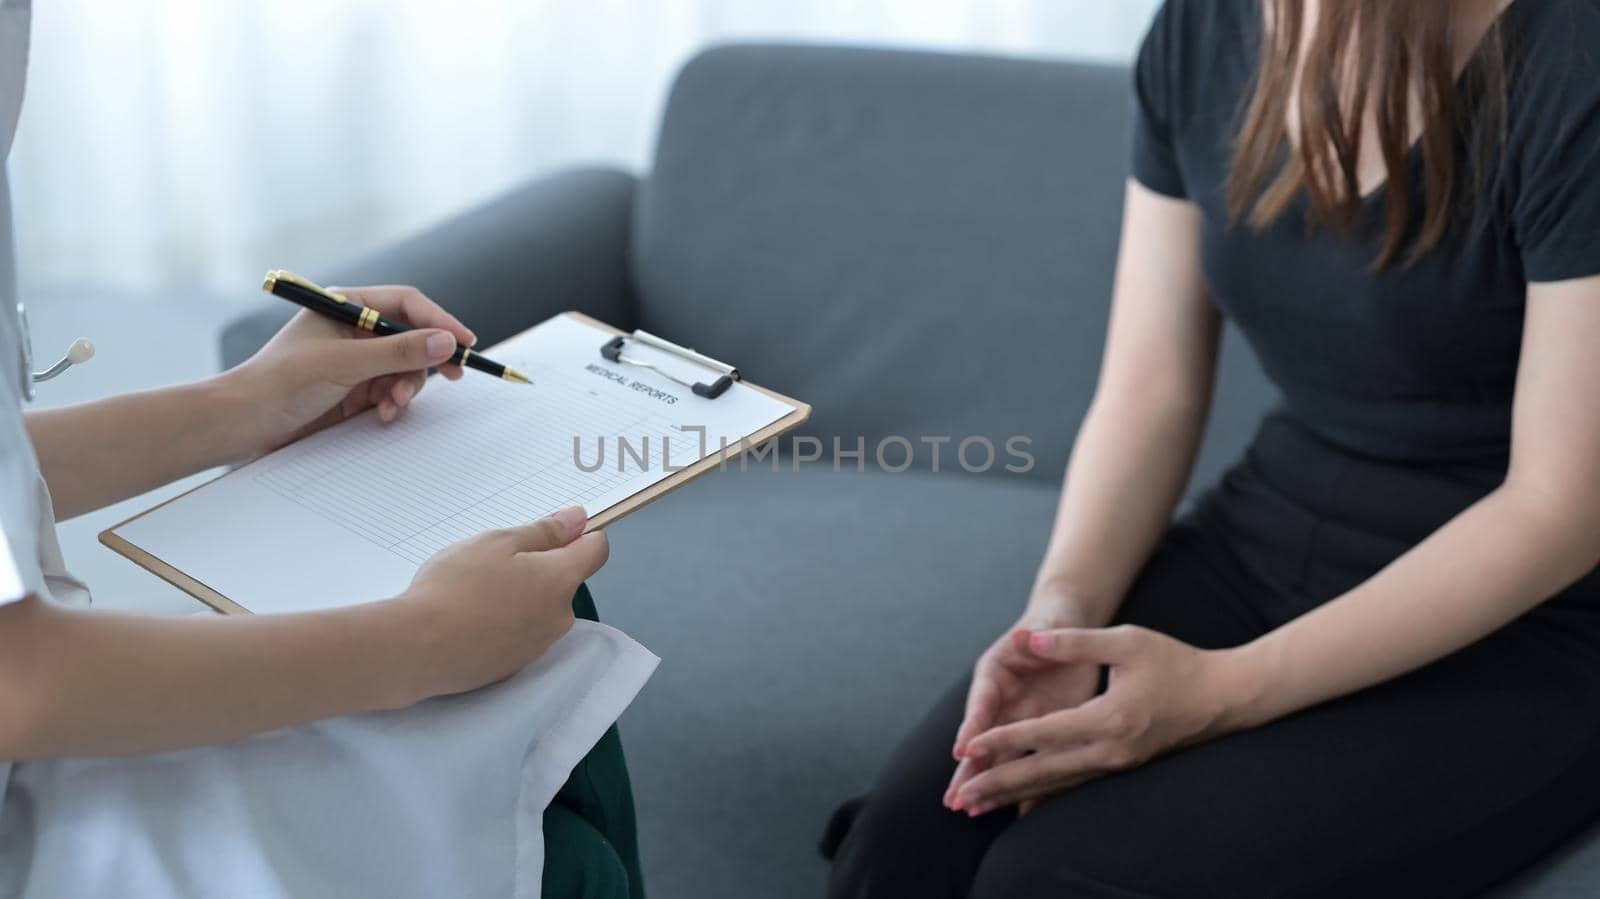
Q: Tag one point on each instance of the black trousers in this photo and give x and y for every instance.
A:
(1436, 784)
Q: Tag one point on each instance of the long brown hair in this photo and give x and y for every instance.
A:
(1388, 58)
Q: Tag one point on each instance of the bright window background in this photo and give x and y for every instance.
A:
(173, 150)
(190, 144)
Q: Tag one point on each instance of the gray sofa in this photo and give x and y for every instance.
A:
(919, 245)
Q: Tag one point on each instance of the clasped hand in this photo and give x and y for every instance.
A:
(1034, 726)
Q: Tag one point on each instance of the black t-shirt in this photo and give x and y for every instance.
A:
(1415, 364)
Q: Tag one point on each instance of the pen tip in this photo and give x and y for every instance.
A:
(515, 377)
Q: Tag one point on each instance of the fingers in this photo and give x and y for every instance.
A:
(393, 393)
(556, 539)
(983, 703)
(1090, 721)
(406, 387)
(1031, 777)
(551, 532)
(965, 771)
(412, 351)
(1018, 655)
(1100, 646)
(411, 306)
(585, 555)
(996, 672)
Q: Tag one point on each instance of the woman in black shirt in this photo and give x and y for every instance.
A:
(1368, 662)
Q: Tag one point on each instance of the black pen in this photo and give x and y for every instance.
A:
(336, 306)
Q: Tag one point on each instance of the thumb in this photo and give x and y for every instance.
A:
(550, 532)
(1098, 646)
(411, 351)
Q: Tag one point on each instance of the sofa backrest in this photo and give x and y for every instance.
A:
(918, 244)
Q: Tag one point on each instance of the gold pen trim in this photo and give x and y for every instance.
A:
(367, 319)
(273, 277)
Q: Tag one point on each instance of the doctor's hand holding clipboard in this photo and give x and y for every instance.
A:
(480, 611)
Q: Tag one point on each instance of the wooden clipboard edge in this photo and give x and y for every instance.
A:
(161, 569)
(710, 463)
(155, 565)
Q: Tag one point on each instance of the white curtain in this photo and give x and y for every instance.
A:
(192, 144)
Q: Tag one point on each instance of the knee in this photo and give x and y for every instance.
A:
(857, 846)
(1024, 869)
(872, 858)
(890, 849)
(1029, 883)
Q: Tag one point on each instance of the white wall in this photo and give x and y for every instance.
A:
(192, 144)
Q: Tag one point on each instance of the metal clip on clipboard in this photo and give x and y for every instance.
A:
(726, 374)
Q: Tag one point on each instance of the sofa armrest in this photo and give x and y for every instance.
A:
(557, 243)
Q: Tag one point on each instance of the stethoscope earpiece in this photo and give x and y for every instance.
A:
(80, 352)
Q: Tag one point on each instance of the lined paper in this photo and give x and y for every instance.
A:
(347, 515)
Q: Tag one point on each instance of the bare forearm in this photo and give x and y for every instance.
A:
(84, 684)
(1128, 470)
(1497, 560)
(1137, 445)
(99, 453)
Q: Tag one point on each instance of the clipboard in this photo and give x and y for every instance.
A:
(707, 378)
